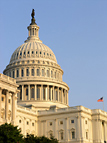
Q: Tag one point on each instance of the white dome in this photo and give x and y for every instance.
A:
(33, 50)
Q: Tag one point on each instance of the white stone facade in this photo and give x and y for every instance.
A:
(34, 97)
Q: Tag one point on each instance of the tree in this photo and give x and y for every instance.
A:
(10, 134)
(43, 139)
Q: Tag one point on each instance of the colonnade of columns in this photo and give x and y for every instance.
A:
(43, 92)
(6, 104)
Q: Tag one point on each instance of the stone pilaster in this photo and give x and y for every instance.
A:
(6, 105)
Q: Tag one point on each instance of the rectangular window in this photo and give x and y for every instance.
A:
(27, 72)
(61, 122)
(22, 73)
(13, 74)
(17, 73)
(43, 72)
(56, 92)
(73, 135)
(86, 135)
(72, 121)
(49, 93)
(50, 123)
(32, 72)
(32, 92)
(47, 73)
(38, 93)
(37, 72)
(44, 93)
(62, 136)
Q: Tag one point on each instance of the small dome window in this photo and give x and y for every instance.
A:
(36, 52)
(47, 54)
(44, 53)
(28, 52)
(32, 52)
(24, 53)
(50, 54)
(40, 52)
(17, 54)
(20, 53)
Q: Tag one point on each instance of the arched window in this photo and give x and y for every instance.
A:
(55, 74)
(22, 73)
(17, 73)
(61, 134)
(43, 73)
(32, 72)
(47, 73)
(38, 72)
(27, 72)
(72, 133)
(32, 92)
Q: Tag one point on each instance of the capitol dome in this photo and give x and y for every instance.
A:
(31, 50)
(35, 68)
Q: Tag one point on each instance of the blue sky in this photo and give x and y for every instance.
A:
(75, 30)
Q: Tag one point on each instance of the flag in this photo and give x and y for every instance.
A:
(100, 100)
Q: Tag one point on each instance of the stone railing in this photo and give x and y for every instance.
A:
(7, 78)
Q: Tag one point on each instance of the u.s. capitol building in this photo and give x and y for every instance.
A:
(34, 97)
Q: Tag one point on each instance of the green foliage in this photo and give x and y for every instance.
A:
(10, 134)
(32, 139)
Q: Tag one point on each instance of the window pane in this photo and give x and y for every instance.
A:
(32, 92)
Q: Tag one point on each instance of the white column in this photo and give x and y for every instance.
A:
(29, 92)
(35, 92)
(6, 105)
(13, 107)
(0, 101)
(23, 93)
